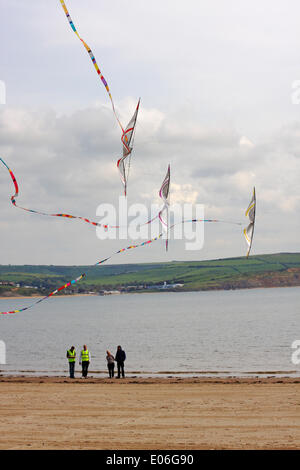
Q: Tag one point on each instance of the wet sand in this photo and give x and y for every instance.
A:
(149, 413)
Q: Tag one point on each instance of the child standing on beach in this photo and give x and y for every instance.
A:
(110, 364)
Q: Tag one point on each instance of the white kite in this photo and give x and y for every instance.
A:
(127, 141)
(164, 194)
(249, 231)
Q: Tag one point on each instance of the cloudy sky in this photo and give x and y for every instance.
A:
(217, 102)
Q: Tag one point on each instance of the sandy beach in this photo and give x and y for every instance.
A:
(144, 413)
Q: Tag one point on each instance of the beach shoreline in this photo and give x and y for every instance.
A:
(150, 292)
(149, 377)
(149, 413)
(16, 297)
(136, 380)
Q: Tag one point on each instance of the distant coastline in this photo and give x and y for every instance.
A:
(261, 271)
(149, 292)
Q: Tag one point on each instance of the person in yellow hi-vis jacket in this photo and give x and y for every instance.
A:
(85, 359)
(71, 356)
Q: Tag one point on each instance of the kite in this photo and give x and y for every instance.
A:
(164, 194)
(127, 134)
(249, 230)
(127, 140)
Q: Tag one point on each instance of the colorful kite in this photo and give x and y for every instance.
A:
(128, 133)
(249, 231)
(124, 167)
(127, 141)
(164, 194)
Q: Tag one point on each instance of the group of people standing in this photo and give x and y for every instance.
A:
(85, 359)
(120, 359)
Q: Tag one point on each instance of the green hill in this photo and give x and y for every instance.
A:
(273, 270)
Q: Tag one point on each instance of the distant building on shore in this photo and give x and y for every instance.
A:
(109, 292)
(165, 286)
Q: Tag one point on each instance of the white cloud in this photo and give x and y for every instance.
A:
(244, 141)
(183, 194)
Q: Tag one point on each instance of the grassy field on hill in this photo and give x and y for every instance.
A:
(273, 270)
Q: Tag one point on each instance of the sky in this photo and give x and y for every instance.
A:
(219, 102)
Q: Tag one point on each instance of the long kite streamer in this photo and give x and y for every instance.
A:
(164, 193)
(249, 230)
(102, 261)
(69, 216)
(64, 286)
(124, 166)
(92, 59)
(127, 134)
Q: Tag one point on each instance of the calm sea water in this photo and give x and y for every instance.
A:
(230, 333)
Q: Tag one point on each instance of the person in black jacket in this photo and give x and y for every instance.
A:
(120, 358)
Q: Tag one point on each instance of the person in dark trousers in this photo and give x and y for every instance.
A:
(71, 355)
(120, 358)
(110, 364)
(85, 359)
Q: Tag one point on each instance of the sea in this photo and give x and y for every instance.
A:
(251, 332)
